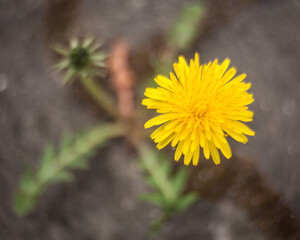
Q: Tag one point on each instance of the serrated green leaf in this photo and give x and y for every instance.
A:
(147, 178)
(185, 30)
(151, 183)
(28, 181)
(179, 180)
(186, 201)
(47, 154)
(66, 141)
(46, 162)
(140, 165)
(166, 166)
(55, 167)
(23, 204)
(81, 164)
(154, 198)
(153, 167)
(61, 176)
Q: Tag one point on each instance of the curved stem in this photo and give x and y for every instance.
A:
(100, 96)
(156, 225)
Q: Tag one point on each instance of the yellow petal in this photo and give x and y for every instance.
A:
(237, 136)
(163, 82)
(224, 66)
(195, 142)
(153, 93)
(160, 119)
(197, 62)
(163, 135)
(206, 149)
(165, 142)
(196, 156)
(225, 149)
(178, 151)
(157, 131)
(243, 128)
(188, 158)
(229, 75)
(238, 78)
(186, 145)
(201, 138)
(214, 152)
(215, 140)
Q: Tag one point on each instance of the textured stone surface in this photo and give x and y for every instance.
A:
(262, 40)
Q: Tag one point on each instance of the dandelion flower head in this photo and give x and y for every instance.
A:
(199, 108)
(82, 59)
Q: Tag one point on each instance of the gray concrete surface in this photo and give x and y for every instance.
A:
(262, 40)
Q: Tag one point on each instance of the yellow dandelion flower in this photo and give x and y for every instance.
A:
(200, 106)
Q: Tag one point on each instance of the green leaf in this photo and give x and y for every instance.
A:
(167, 188)
(48, 154)
(179, 180)
(156, 224)
(46, 162)
(151, 182)
(154, 198)
(81, 164)
(66, 141)
(166, 166)
(185, 30)
(61, 176)
(28, 182)
(23, 204)
(56, 166)
(186, 201)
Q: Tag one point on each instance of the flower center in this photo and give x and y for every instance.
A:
(79, 57)
(199, 110)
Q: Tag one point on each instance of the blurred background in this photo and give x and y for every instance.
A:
(254, 195)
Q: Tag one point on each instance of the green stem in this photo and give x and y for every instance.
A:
(156, 225)
(153, 167)
(100, 96)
